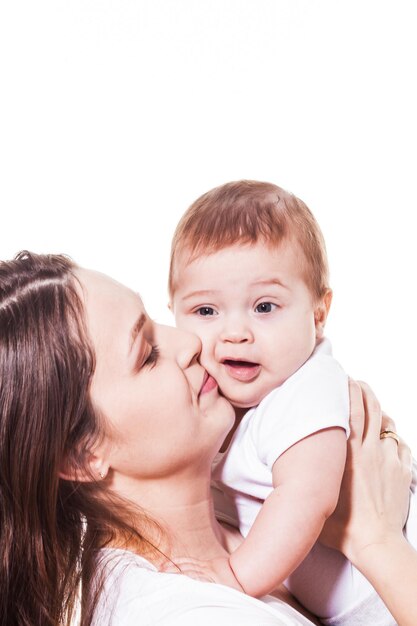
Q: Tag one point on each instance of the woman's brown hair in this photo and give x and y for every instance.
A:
(50, 528)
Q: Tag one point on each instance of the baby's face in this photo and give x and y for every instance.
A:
(254, 313)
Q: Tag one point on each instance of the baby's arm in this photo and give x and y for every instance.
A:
(306, 480)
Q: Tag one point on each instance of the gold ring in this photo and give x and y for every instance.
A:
(389, 433)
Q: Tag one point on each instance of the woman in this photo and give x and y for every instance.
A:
(108, 427)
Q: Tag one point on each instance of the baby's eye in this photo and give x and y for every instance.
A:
(265, 307)
(206, 311)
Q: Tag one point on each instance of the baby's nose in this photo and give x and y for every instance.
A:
(237, 331)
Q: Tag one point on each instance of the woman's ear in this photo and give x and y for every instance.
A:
(94, 468)
(321, 312)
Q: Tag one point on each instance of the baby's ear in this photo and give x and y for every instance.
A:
(321, 312)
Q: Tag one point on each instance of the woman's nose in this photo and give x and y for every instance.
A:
(185, 347)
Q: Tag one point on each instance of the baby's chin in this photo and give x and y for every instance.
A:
(242, 396)
(243, 402)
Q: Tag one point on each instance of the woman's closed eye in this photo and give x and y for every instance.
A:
(150, 360)
(152, 357)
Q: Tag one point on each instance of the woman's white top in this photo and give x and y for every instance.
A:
(136, 594)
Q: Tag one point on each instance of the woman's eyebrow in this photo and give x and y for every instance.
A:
(136, 328)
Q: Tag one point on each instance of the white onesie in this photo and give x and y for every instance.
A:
(315, 397)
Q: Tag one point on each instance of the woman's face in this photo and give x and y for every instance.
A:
(163, 415)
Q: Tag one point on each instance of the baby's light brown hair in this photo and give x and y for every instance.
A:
(248, 212)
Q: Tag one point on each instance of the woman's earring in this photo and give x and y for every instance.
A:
(102, 474)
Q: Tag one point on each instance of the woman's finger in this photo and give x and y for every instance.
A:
(373, 414)
(357, 412)
(387, 423)
(406, 458)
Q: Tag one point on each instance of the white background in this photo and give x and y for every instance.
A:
(116, 115)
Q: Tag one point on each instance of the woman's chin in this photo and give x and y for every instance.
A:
(227, 411)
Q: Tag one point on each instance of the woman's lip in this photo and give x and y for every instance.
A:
(239, 371)
(208, 384)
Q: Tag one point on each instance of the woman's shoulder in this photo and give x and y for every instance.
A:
(135, 592)
(122, 577)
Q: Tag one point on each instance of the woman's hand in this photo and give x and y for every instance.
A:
(374, 495)
(373, 504)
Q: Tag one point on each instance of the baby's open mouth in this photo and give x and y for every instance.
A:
(235, 363)
(245, 371)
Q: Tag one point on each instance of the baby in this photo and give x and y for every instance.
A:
(249, 275)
